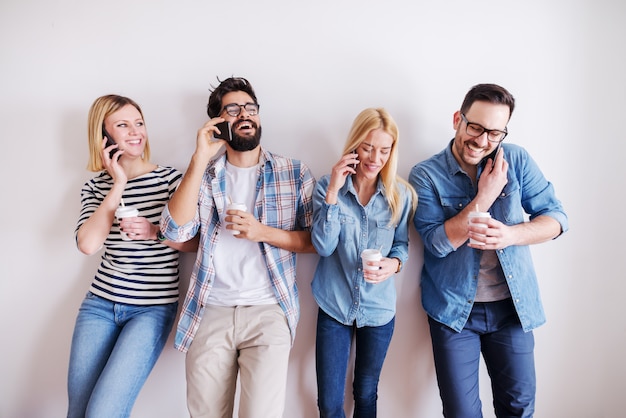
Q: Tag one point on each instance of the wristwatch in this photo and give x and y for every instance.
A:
(399, 265)
(160, 236)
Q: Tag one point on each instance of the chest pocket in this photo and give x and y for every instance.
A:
(452, 205)
(508, 206)
(384, 234)
(348, 228)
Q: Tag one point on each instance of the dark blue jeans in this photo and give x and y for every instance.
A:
(494, 330)
(332, 352)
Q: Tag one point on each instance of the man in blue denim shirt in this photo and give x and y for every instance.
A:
(483, 297)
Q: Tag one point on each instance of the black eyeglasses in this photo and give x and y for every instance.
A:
(475, 130)
(234, 109)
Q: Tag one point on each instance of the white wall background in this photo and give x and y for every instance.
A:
(315, 65)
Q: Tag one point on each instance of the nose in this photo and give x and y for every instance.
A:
(243, 113)
(483, 139)
(374, 154)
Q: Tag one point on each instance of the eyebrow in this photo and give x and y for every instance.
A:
(370, 145)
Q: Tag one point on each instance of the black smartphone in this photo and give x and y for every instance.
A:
(353, 152)
(225, 132)
(109, 142)
(492, 156)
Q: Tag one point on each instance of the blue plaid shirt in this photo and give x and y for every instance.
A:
(283, 200)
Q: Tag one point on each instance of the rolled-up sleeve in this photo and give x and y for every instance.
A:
(178, 233)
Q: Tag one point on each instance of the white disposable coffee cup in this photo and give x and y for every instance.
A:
(484, 216)
(370, 255)
(236, 206)
(126, 212)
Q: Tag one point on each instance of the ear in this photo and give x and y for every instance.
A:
(456, 120)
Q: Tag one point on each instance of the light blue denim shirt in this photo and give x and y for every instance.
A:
(449, 276)
(340, 233)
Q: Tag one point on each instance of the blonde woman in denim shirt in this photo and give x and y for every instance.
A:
(361, 204)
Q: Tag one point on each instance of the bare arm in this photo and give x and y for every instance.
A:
(93, 231)
(182, 206)
(190, 246)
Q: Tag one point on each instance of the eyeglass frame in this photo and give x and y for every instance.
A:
(497, 141)
(243, 106)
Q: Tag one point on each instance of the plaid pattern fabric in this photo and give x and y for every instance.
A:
(284, 200)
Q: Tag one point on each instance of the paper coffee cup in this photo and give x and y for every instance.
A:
(236, 206)
(481, 215)
(126, 212)
(370, 255)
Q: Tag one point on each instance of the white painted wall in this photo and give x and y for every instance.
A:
(315, 65)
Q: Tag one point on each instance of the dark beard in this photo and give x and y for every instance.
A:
(241, 143)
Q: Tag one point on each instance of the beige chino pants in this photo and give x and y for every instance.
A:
(252, 341)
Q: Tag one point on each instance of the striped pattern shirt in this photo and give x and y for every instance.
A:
(138, 272)
(283, 200)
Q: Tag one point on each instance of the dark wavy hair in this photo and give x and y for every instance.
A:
(214, 108)
(491, 93)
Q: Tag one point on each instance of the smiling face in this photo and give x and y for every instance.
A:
(374, 152)
(468, 150)
(127, 128)
(246, 128)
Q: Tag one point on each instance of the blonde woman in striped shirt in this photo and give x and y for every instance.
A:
(128, 312)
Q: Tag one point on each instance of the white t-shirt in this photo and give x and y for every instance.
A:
(241, 274)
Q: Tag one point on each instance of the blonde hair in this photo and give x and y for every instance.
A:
(101, 109)
(378, 118)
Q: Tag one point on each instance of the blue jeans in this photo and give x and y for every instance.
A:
(332, 352)
(494, 330)
(114, 348)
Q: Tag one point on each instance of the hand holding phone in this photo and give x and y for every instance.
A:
(225, 132)
(354, 165)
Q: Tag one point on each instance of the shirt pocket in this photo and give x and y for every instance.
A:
(384, 235)
(452, 205)
(507, 206)
(348, 230)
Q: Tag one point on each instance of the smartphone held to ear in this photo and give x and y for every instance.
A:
(225, 132)
(353, 165)
(492, 156)
(109, 142)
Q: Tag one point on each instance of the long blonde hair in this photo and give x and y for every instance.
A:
(378, 118)
(101, 108)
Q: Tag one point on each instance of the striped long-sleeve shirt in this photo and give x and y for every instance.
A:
(138, 272)
(283, 200)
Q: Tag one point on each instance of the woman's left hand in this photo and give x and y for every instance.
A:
(387, 268)
(139, 228)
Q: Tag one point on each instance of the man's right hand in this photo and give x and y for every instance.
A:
(207, 146)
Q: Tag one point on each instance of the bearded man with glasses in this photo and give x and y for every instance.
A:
(240, 314)
(483, 297)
